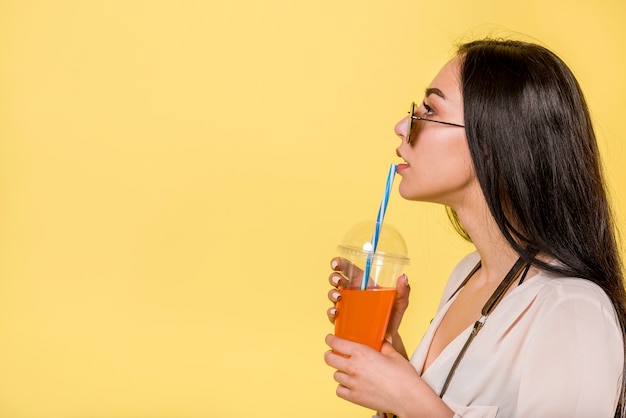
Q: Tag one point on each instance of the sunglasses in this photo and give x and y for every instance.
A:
(413, 118)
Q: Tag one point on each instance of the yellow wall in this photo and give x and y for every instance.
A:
(175, 175)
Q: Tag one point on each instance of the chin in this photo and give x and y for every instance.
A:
(410, 195)
(416, 196)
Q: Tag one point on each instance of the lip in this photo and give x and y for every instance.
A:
(403, 166)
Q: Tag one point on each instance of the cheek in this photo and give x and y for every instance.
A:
(453, 163)
(443, 155)
(438, 174)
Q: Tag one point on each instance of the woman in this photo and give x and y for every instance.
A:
(532, 323)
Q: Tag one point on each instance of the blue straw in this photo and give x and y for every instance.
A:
(379, 223)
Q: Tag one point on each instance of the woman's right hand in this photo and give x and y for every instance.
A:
(339, 278)
(344, 270)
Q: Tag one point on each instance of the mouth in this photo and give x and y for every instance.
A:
(406, 163)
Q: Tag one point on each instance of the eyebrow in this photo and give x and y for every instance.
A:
(432, 90)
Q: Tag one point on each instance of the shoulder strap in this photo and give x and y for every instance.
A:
(491, 304)
(469, 276)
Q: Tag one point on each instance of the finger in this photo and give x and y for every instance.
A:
(332, 314)
(343, 392)
(338, 345)
(336, 280)
(345, 347)
(346, 268)
(342, 378)
(387, 349)
(334, 295)
(330, 340)
(335, 360)
(351, 271)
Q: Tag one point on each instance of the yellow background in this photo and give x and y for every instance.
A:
(175, 175)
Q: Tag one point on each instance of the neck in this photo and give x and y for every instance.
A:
(496, 254)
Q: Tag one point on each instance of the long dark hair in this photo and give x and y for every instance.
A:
(537, 161)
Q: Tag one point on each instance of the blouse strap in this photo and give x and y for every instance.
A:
(469, 276)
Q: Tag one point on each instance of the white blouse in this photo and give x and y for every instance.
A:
(551, 348)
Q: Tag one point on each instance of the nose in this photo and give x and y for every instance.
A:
(401, 128)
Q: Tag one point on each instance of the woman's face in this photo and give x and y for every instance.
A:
(437, 167)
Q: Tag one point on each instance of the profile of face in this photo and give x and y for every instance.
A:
(438, 167)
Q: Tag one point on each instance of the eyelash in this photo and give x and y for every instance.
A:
(429, 111)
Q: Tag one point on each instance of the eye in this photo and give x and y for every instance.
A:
(429, 111)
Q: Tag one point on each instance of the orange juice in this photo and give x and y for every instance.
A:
(362, 315)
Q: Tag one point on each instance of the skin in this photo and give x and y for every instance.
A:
(438, 168)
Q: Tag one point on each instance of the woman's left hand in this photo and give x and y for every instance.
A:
(376, 380)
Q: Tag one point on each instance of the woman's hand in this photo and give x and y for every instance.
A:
(382, 381)
(343, 273)
(344, 270)
(369, 378)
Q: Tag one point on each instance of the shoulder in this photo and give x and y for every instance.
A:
(571, 349)
(570, 302)
(564, 290)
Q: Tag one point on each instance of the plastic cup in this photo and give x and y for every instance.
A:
(363, 315)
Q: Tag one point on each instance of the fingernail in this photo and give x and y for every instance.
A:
(406, 280)
(336, 296)
(334, 264)
(333, 311)
(335, 280)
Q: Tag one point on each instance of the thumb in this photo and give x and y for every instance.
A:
(402, 285)
(403, 291)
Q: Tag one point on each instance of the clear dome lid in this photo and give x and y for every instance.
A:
(391, 245)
